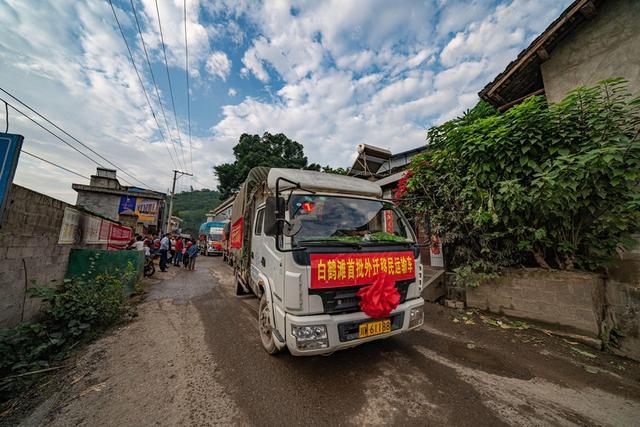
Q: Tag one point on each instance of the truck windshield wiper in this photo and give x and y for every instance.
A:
(386, 242)
(332, 243)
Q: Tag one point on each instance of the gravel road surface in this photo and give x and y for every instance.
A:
(193, 357)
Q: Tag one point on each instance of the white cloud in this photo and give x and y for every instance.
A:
(218, 64)
(338, 73)
(254, 65)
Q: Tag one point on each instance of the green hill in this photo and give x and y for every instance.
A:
(192, 207)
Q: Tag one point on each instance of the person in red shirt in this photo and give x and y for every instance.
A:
(178, 255)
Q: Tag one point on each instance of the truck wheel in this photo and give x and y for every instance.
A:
(266, 335)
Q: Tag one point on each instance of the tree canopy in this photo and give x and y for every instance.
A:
(554, 186)
(277, 151)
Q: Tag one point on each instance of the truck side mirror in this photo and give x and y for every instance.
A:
(272, 223)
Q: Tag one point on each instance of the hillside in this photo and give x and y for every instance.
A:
(192, 206)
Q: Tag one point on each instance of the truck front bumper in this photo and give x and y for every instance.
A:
(340, 328)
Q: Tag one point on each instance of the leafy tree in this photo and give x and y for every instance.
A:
(251, 151)
(554, 186)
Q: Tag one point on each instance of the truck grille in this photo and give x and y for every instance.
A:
(344, 300)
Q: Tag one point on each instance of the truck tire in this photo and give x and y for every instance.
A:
(266, 335)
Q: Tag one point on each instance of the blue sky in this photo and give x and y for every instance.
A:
(329, 74)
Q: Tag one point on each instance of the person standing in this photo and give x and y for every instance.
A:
(193, 254)
(177, 257)
(185, 254)
(172, 250)
(165, 246)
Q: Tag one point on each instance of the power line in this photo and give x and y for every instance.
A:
(155, 85)
(72, 137)
(139, 78)
(166, 64)
(54, 164)
(61, 139)
(186, 56)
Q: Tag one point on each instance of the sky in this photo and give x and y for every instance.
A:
(328, 74)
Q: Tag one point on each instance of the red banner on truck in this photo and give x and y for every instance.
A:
(337, 270)
(236, 234)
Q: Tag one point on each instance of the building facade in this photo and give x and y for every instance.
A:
(138, 208)
(592, 40)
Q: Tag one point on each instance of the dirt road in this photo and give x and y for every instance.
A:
(193, 357)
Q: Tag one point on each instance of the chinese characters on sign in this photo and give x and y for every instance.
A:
(335, 270)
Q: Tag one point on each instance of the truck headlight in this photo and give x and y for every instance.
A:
(416, 316)
(310, 337)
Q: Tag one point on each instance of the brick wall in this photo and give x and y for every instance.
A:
(29, 251)
(572, 301)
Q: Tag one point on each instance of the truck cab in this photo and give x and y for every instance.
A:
(311, 241)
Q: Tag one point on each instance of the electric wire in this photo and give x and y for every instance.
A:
(139, 78)
(72, 137)
(54, 164)
(153, 79)
(186, 63)
(166, 64)
(57, 136)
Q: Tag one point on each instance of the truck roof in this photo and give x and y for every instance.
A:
(323, 182)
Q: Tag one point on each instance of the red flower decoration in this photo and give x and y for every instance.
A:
(380, 298)
(401, 189)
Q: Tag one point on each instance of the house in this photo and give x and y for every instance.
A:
(174, 225)
(380, 165)
(591, 40)
(138, 208)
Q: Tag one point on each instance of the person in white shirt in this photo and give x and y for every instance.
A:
(138, 245)
(165, 246)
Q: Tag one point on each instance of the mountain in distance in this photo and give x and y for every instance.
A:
(192, 206)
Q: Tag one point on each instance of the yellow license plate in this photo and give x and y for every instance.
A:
(374, 328)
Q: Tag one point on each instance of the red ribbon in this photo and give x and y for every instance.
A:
(380, 298)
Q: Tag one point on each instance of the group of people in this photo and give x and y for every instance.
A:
(171, 249)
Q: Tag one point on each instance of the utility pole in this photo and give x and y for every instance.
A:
(176, 174)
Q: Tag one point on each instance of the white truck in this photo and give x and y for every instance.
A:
(305, 242)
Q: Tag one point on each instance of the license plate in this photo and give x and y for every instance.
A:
(374, 328)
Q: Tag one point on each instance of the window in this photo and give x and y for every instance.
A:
(259, 219)
(337, 218)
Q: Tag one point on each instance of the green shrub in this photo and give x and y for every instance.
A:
(555, 186)
(73, 312)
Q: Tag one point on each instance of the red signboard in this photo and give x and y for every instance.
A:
(337, 270)
(236, 234)
(119, 236)
(388, 221)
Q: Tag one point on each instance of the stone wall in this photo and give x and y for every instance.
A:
(608, 45)
(29, 251)
(623, 303)
(572, 301)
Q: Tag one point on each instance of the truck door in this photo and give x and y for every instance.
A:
(257, 263)
(268, 262)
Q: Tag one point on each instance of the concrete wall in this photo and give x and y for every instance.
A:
(623, 303)
(29, 251)
(606, 46)
(571, 301)
(100, 203)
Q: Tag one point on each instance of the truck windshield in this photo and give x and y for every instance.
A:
(344, 219)
(215, 237)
